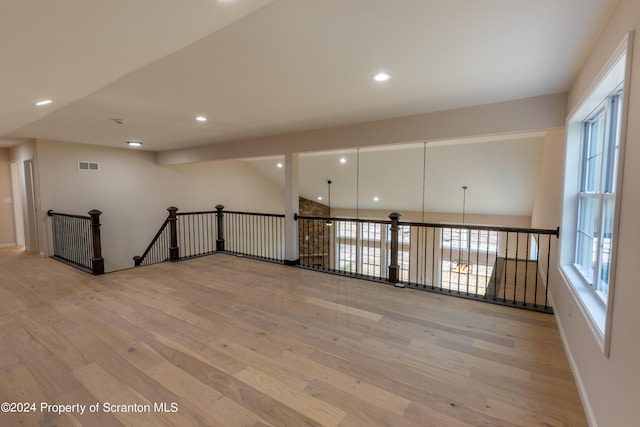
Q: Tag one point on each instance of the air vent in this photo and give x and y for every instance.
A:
(88, 166)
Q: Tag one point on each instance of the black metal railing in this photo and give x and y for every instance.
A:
(159, 248)
(255, 235)
(197, 233)
(502, 265)
(192, 234)
(76, 240)
(348, 247)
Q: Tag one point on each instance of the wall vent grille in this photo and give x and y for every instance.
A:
(89, 166)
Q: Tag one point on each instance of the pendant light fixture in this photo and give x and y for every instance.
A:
(464, 201)
(329, 223)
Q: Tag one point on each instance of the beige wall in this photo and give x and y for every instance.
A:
(7, 222)
(133, 192)
(610, 386)
(547, 204)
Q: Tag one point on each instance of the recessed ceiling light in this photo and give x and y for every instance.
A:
(343, 160)
(279, 165)
(381, 77)
(376, 199)
(44, 102)
(134, 143)
(319, 197)
(201, 118)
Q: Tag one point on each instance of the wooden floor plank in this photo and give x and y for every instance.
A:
(238, 342)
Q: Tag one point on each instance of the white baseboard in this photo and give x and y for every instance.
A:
(8, 245)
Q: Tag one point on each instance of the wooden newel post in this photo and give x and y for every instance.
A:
(220, 240)
(174, 250)
(394, 267)
(97, 262)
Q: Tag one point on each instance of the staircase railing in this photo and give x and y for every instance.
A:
(76, 240)
(159, 248)
(192, 234)
(502, 265)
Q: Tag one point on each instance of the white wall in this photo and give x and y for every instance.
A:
(133, 192)
(610, 386)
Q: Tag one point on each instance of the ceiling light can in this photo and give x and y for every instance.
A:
(381, 76)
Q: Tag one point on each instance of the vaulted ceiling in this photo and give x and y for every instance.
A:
(261, 67)
(122, 70)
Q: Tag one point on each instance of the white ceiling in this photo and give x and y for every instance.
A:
(259, 67)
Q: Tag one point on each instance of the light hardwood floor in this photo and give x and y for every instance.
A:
(238, 342)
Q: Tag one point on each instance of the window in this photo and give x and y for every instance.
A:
(403, 263)
(597, 193)
(371, 231)
(371, 261)
(467, 259)
(476, 240)
(347, 258)
(347, 229)
(595, 140)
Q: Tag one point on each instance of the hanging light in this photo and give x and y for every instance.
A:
(464, 201)
(462, 267)
(329, 223)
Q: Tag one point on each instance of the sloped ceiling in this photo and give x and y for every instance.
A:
(259, 67)
(66, 50)
(256, 68)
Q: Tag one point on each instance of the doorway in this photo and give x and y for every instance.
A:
(17, 203)
(30, 208)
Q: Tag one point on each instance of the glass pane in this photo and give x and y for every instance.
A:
(587, 240)
(371, 261)
(607, 235)
(404, 234)
(371, 231)
(347, 229)
(403, 263)
(594, 154)
(455, 238)
(611, 147)
(484, 240)
(347, 258)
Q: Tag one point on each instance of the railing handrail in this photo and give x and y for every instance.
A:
(231, 212)
(50, 212)
(555, 232)
(327, 218)
(91, 260)
(153, 242)
(255, 213)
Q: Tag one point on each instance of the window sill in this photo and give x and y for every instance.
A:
(591, 303)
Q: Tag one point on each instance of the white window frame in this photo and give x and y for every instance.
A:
(597, 310)
(610, 111)
(373, 236)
